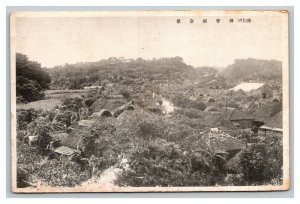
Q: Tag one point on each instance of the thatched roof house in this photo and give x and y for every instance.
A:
(121, 109)
(223, 143)
(108, 104)
(254, 88)
(234, 164)
(233, 114)
(272, 127)
(63, 150)
(247, 87)
(265, 111)
(210, 100)
(239, 118)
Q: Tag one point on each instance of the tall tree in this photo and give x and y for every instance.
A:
(31, 79)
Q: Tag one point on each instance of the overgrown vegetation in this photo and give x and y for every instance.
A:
(192, 145)
(31, 79)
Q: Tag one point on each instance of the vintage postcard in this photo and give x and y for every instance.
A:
(149, 101)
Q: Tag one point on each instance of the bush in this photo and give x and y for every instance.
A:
(162, 163)
(33, 168)
(263, 161)
(22, 178)
(44, 139)
(126, 94)
(56, 173)
(73, 104)
(181, 101)
(190, 113)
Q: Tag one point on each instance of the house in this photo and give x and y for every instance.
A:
(261, 89)
(238, 118)
(225, 146)
(64, 153)
(265, 111)
(273, 127)
(63, 150)
(121, 109)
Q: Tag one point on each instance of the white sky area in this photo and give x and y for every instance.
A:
(59, 40)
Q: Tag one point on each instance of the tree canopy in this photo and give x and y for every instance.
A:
(31, 79)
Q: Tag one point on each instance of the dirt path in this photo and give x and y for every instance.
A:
(106, 178)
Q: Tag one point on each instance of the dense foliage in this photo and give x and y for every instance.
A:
(192, 145)
(76, 76)
(253, 69)
(31, 79)
(263, 161)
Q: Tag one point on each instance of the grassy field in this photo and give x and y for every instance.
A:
(60, 94)
(44, 105)
(53, 98)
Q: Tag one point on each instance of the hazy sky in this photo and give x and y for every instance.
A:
(56, 40)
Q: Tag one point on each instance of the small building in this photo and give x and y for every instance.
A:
(261, 89)
(265, 111)
(273, 127)
(121, 109)
(211, 100)
(238, 118)
(64, 153)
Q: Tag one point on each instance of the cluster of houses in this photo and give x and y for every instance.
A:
(253, 88)
(266, 120)
(269, 127)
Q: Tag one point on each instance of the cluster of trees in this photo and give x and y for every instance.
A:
(31, 79)
(253, 69)
(76, 76)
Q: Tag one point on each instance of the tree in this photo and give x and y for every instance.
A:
(31, 79)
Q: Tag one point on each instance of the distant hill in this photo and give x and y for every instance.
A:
(76, 76)
(253, 70)
(164, 70)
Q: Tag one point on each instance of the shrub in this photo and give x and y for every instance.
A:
(263, 161)
(162, 163)
(190, 113)
(126, 94)
(44, 139)
(22, 178)
(187, 103)
(73, 104)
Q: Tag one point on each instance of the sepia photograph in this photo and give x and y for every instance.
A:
(149, 101)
